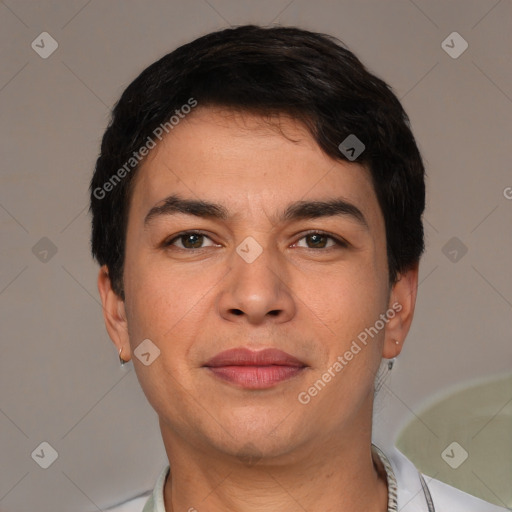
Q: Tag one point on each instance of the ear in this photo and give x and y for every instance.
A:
(114, 314)
(402, 300)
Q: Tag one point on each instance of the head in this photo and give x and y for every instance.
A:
(239, 137)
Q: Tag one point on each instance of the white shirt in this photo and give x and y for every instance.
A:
(402, 476)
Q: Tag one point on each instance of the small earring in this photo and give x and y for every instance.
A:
(392, 361)
(121, 360)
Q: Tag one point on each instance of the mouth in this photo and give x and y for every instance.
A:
(255, 370)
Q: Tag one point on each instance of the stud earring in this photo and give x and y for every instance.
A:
(391, 362)
(121, 360)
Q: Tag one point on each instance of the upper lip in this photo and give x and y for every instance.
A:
(245, 357)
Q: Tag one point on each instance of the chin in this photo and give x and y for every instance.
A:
(266, 442)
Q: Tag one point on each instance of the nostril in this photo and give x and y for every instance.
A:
(239, 312)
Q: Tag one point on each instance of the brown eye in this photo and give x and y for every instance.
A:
(319, 241)
(315, 241)
(190, 240)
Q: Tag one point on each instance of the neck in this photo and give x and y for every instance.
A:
(335, 477)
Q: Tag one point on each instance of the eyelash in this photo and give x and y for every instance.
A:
(338, 241)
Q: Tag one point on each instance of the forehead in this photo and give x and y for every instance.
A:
(248, 162)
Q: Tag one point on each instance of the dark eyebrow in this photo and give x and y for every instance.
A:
(315, 209)
(175, 204)
(299, 210)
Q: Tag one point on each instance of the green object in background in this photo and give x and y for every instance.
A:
(465, 440)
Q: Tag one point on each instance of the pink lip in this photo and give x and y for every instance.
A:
(255, 370)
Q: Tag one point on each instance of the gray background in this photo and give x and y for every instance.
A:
(60, 381)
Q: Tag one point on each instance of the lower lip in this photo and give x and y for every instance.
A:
(256, 377)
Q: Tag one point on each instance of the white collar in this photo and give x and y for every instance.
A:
(391, 479)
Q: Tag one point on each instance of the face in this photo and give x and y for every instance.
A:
(282, 248)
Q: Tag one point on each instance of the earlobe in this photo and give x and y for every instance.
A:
(114, 314)
(402, 301)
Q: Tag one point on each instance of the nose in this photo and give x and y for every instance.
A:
(257, 291)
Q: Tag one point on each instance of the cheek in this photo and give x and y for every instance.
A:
(156, 303)
(166, 301)
(345, 299)
(161, 311)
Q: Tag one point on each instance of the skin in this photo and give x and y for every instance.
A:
(231, 448)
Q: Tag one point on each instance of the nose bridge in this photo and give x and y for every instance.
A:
(256, 286)
(256, 268)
